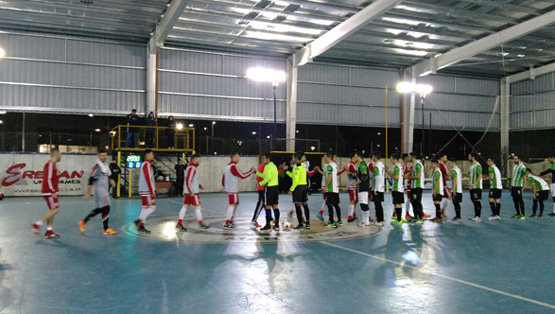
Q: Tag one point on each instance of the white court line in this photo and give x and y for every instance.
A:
(464, 282)
(170, 200)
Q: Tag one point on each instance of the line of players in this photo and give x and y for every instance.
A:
(365, 182)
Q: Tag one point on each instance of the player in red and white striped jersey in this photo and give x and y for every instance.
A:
(230, 183)
(446, 191)
(50, 194)
(352, 189)
(147, 190)
(191, 190)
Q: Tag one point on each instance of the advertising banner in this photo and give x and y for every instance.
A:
(22, 174)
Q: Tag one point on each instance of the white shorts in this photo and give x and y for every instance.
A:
(363, 198)
(553, 189)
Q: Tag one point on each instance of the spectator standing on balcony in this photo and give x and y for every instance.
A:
(179, 177)
(132, 132)
(116, 171)
(170, 132)
(151, 132)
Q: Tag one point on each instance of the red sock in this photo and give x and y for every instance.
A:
(355, 215)
(200, 223)
(350, 218)
(142, 224)
(180, 221)
(227, 222)
(321, 211)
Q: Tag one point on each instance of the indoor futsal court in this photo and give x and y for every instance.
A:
(287, 157)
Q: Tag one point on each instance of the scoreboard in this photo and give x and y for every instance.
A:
(134, 161)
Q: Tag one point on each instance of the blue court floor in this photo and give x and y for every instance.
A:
(504, 266)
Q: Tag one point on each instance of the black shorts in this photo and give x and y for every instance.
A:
(398, 197)
(416, 195)
(272, 195)
(457, 198)
(516, 192)
(475, 194)
(300, 194)
(495, 193)
(332, 198)
(437, 197)
(377, 197)
(542, 195)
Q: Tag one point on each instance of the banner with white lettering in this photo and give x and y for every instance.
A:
(22, 174)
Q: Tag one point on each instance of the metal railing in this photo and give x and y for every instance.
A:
(183, 140)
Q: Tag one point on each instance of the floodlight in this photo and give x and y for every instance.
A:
(2, 53)
(405, 87)
(179, 126)
(266, 75)
(408, 87)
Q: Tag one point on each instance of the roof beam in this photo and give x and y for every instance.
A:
(341, 31)
(476, 47)
(165, 25)
(531, 74)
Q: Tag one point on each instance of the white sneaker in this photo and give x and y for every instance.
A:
(494, 218)
(364, 225)
(381, 223)
(476, 218)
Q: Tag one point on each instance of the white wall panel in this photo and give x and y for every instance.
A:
(39, 98)
(374, 78)
(58, 74)
(461, 103)
(181, 60)
(533, 104)
(324, 73)
(474, 86)
(213, 85)
(75, 75)
(540, 84)
(35, 47)
(220, 108)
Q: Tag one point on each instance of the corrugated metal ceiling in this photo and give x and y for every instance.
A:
(410, 32)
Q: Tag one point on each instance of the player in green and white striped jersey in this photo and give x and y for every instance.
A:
(417, 186)
(378, 186)
(456, 178)
(437, 189)
(398, 188)
(496, 189)
(331, 189)
(551, 172)
(540, 192)
(517, 187)
(476, 186)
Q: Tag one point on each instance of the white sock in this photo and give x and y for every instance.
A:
(366, 217)
(323, 206)
(351, 210)
(302, 207)
(444, 203)
(38, 223)
(145, 212)
(407, 207)
(229, 214)
(49, 228)
(198, 213)
(183, 211)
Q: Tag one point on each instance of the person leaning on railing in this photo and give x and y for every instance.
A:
(151, 132)
(132, 133)
(170, 132)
